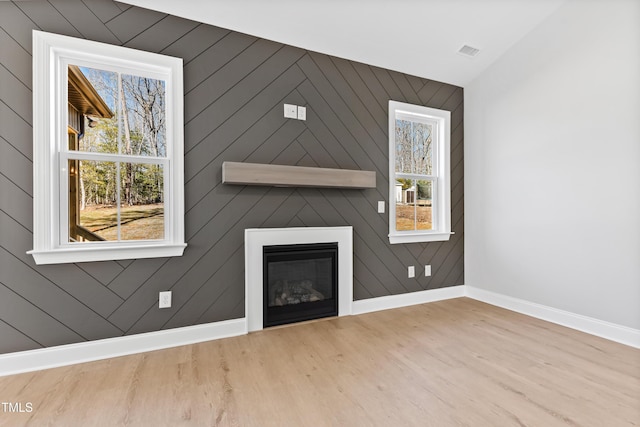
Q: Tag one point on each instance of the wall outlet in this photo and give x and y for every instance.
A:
(381, 206)
(164, 301)
(411, 271)
(427, 270)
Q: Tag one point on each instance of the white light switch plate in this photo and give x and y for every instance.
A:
(381, 206)
(411, 271)
(302, 113)
(427, 270)
(291, 111)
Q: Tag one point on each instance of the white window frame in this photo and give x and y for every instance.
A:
(51, 55)
(441, 178)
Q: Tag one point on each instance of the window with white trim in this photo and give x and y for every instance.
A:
(419, 177)
(108, 152)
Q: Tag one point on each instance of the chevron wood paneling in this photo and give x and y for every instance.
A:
(235, 85)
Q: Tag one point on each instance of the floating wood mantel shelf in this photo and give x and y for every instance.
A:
(295, 176)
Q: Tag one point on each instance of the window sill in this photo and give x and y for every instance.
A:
(436, 236)
(89, 254)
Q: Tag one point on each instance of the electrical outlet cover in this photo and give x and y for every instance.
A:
(427, 270)
(164, 300)
(411, 271)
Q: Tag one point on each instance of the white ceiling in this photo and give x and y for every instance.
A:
(419, 37)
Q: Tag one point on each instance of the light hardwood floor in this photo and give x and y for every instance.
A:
(452, 363)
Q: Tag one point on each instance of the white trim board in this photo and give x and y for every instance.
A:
(403, 300)
(70, 354)
(600, 328)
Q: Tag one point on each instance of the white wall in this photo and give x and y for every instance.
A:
(552, 165)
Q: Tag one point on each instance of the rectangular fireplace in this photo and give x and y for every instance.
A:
(256, 239)
(300, 282)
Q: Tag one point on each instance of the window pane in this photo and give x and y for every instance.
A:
(92, 201)
(117, 113)
(422, 148)
(413, 205)
(144, 116)
(93, 210)
(424, 205)
(142, 202)
(403, 141)
(405, 205)
(93, 96)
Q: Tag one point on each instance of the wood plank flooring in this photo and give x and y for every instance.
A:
(452, 363)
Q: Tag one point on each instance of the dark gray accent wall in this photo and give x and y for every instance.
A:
(235, 87)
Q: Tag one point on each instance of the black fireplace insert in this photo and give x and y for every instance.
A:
(300, 282)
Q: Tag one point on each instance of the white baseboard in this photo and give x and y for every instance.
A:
(64, 355)
(404, 300)
(53, 357)
(600, 328)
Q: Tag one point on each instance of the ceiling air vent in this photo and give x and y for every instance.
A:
(469, 51)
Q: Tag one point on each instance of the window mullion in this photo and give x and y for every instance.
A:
(414, 176)
(415, 205)
(63, 196)
(118, 200)
(118, 171)
(106, 157)
(414, 181)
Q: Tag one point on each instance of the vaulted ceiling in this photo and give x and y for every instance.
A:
(419, 37)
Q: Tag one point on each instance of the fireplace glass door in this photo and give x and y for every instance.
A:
(300, 282)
